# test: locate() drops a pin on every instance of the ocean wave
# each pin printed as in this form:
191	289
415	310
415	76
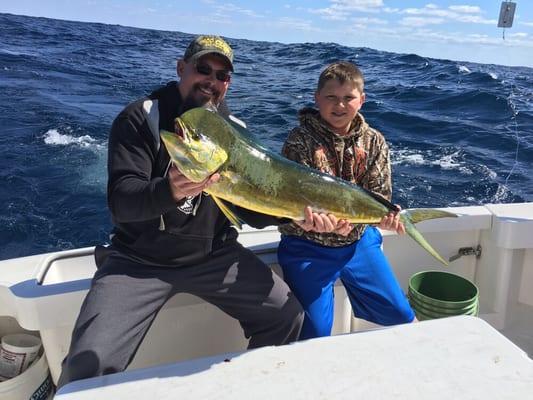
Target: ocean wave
411	59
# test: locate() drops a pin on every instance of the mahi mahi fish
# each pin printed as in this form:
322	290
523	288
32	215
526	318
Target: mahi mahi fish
255	178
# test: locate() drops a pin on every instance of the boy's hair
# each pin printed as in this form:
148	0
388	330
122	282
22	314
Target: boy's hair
342	71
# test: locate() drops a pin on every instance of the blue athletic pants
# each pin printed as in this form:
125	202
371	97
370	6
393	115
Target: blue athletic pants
311	270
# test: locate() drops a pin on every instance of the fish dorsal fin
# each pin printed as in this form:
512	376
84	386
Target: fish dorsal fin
227	212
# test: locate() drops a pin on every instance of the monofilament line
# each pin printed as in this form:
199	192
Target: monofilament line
512	106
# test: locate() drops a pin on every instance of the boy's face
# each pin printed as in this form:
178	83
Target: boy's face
338	104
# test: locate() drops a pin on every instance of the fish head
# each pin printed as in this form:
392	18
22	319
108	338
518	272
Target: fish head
194	153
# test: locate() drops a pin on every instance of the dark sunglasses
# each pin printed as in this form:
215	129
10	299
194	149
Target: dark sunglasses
221	74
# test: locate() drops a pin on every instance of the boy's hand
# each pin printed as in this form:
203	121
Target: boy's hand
321	223
391	222
344	227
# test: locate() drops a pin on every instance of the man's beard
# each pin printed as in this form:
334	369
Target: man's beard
196	98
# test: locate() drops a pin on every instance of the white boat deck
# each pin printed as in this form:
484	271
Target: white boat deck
453	358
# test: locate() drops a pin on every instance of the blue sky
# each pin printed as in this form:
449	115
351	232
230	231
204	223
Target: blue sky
458	30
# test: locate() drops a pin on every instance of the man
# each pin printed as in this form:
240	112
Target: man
169	237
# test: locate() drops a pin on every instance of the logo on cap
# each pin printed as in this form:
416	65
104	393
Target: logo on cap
206	44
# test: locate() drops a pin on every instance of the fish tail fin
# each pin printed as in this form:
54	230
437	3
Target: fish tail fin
410	217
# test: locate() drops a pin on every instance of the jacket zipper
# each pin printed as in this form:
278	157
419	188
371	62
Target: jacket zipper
161	219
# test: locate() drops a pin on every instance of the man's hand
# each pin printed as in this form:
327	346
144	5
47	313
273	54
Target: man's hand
321	223
182	187
391	222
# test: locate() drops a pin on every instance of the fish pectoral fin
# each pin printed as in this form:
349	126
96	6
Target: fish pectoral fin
227	212
233	177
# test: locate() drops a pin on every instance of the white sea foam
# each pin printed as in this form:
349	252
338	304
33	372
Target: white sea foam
407	157
493	75
448	162
488	172
93	175
464	70
55	138
415	159
500	195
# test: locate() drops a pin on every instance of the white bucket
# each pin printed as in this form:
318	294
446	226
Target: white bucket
17	352
33	384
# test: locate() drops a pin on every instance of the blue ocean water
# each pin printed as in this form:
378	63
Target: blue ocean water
460	133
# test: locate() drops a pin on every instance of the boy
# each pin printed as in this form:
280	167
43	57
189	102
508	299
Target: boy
335	139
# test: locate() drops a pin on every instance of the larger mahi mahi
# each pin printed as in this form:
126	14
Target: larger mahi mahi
257	179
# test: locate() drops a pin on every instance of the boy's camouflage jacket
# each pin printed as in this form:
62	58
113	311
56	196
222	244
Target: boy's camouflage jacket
361	157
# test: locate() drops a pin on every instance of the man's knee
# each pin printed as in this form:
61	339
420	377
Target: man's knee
80	366
292	317
291	311
294	305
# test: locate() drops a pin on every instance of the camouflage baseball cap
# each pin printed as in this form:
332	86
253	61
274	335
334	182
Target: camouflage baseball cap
205	44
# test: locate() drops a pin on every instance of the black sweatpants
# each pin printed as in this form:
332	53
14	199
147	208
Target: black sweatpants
125	297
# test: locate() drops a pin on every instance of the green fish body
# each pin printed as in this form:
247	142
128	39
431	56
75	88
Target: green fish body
255	178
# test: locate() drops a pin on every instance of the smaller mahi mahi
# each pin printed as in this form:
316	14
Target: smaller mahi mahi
255	178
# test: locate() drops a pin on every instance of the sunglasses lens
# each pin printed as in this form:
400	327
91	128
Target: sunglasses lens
204	69
221	75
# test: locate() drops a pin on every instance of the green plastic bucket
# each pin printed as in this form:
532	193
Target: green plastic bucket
423	313
438	294
421	316
423	307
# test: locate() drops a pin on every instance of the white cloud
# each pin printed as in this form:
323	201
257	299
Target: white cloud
370	21
357	4
340	10
427	11
296	23
330	14
474	39
233	9
466	9
466	14
476	19
418	21
517	35
526	23
216	18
